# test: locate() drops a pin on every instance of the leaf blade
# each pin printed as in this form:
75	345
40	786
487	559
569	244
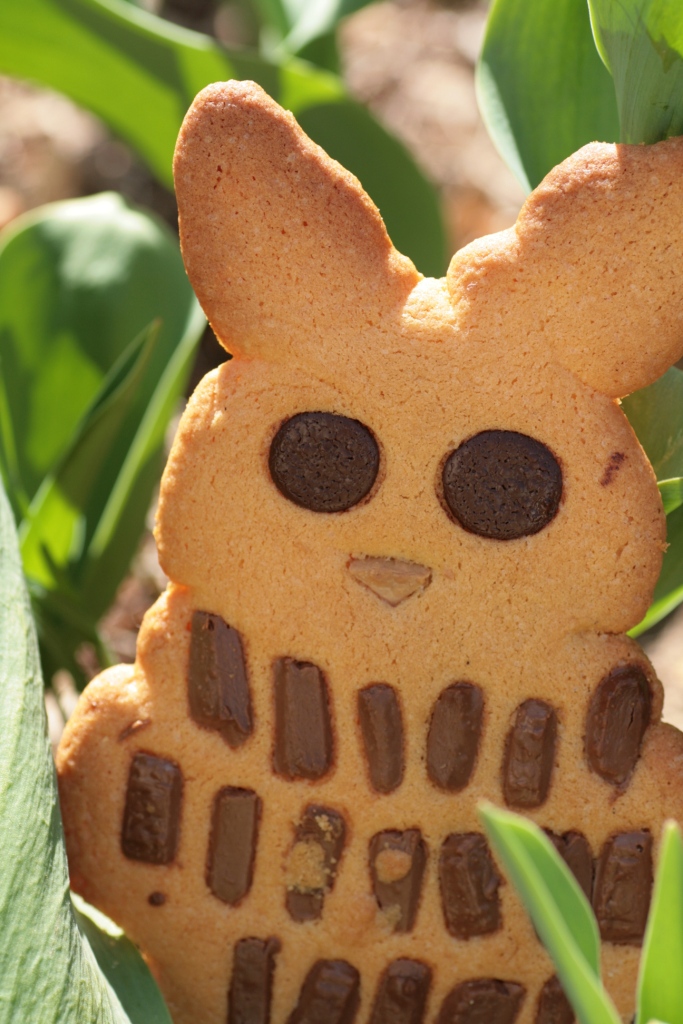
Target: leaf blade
660	981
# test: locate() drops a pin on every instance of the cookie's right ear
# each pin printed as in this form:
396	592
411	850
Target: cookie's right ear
281	244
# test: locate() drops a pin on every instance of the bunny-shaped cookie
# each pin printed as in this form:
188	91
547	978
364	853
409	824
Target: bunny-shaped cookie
406	527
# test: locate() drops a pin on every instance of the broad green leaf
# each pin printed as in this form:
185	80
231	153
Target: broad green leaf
660	979
671	492
641	42
656	415
140	74
669	590
558	908
47	972
122	965
543	90
78	281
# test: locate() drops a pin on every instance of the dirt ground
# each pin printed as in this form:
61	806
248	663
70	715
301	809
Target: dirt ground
412	62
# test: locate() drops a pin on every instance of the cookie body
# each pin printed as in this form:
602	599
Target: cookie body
407	526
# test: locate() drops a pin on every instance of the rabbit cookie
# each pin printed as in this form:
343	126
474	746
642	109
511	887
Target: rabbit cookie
406	529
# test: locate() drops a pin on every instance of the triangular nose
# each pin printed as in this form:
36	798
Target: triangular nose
392	579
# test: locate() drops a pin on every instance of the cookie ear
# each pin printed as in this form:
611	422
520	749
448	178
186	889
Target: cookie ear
595	263
280	243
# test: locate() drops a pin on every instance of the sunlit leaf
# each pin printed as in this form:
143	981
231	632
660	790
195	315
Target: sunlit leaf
122	966
140	73
660	979
641	42
558	908
48	974
671	492
543	90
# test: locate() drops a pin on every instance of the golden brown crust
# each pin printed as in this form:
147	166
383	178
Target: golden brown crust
327	318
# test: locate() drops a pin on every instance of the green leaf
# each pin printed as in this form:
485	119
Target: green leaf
543	90
558	908
47	972
671	492
140	74
78	281
122	965
641	42
669	590
660	980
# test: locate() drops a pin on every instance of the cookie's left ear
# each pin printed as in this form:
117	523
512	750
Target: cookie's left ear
595	263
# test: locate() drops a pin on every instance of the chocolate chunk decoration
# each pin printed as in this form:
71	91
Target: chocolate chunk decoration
156	899
303	729
329	995
251	984
454	735
151	816
402	993
502	485
217	684
469	886
397	864
575	850
618	715
381	727
232	843
530	755
623	887
318	845
553	1005
482	1001
324	462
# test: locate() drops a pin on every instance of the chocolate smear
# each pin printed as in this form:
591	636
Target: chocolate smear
381	726
575	850
469	886
217	684
323	462
402	993
397	864
553	1005
530	755
313	862
329	995
251	984
232	843
502	485
454	735
618	715
303	729
623	887
482	1001
151	817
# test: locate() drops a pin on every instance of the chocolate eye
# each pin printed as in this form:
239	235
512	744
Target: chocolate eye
502	484
323	462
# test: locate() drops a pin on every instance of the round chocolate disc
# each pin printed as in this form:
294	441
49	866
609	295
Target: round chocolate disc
502	485
324	462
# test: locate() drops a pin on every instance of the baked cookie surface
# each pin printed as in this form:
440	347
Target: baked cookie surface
407	526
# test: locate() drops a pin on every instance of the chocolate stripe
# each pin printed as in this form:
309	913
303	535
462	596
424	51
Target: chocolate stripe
482	1001
232	844
251	984
329	995
381	726
618	715
623	887
313	862
454	734
303	730
530	755
217	684
553	1005
469	886
575	850
151	817
397	864
402	993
